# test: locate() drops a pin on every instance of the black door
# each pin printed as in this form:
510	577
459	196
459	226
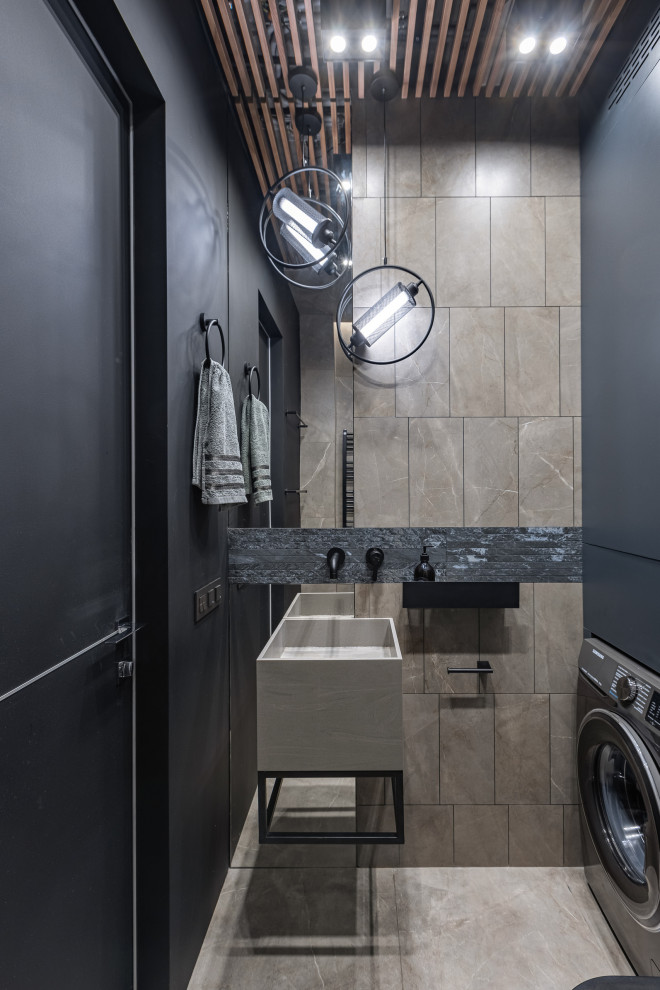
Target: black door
65	506
620	793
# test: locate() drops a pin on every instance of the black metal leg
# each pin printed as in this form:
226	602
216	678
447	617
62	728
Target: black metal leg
266	810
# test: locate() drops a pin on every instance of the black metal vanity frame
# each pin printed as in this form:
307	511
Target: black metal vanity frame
267	810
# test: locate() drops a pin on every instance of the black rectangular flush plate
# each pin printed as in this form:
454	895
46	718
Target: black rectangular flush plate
207	598
461	594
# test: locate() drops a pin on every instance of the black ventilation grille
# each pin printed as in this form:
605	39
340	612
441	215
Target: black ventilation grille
636	60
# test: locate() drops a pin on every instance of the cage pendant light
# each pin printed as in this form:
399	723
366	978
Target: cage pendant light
305	215
390	308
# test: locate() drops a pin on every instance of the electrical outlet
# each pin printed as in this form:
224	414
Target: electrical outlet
207	599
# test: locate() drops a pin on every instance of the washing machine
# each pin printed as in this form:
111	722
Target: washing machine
618	770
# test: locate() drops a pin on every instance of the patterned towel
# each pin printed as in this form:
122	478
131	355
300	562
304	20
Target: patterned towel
255	449
216	459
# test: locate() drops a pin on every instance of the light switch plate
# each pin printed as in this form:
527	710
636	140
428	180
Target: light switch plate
207	599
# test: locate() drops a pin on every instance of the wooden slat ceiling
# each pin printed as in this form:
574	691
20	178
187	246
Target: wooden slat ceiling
438	48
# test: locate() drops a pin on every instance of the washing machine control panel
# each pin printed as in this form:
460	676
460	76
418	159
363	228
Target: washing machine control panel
653	714
622	679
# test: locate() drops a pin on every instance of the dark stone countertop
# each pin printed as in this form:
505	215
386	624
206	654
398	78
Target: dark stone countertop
298	556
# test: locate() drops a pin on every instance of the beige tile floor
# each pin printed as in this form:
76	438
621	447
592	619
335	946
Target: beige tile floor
442	928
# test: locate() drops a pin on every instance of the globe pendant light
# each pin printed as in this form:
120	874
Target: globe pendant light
391	308
305	215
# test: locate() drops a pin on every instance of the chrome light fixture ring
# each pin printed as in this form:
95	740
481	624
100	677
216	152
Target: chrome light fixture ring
266	213
351	354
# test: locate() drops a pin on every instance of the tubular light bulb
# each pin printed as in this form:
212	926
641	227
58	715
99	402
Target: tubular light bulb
338	43
557	45
527	45
290	208
369	43
383	315
307	251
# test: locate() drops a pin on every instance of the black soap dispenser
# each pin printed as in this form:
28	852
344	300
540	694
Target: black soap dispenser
424	570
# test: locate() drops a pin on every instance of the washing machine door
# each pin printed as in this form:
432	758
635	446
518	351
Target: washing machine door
619	788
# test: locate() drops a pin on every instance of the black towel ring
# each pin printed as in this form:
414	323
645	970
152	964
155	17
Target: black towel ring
206	326
251	369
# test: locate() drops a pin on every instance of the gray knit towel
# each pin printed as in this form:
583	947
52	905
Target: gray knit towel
216	459
255	449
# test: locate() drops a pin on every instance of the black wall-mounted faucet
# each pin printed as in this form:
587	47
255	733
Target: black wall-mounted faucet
375	558
335	558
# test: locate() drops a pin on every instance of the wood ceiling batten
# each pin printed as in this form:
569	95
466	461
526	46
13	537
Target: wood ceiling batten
347	127
456	47
220	47
426	40
279	41
257	13
235	45
608	24
440	50
410	40
259	131
394	33
472	46
360	80
252	148
582	44
293	31
508	76
491	37
249	48
311	38
520	82
550	81
497	66
536	75
332	89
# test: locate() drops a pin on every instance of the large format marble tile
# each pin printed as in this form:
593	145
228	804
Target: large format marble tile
557	636
477	362
404	173
317	476
467	755
546	471
499	929
563	782
448	150
532	361
572	837
317	398
503	147
359	148
302	930
367	248
429	836
481	835
536	835
411	236
377	818
506	639
522	749
381	472
436	472
451	639
562	275
491	472
570	360
316	343
462	237
577	472
555	148
385	600
422	381
421	749
518	251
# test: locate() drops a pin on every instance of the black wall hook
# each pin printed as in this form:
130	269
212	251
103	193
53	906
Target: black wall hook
251	369
205	326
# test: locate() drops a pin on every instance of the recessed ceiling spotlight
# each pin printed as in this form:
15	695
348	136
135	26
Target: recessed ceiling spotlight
369	43
338	43
527	45
557	45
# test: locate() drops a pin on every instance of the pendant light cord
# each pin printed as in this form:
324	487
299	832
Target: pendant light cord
385	179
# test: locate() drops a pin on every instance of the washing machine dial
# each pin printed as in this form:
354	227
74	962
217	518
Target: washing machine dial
626	689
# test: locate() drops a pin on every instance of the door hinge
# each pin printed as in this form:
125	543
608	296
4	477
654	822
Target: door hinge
124	669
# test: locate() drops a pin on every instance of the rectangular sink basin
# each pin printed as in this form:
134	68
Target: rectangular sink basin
329	697
340	603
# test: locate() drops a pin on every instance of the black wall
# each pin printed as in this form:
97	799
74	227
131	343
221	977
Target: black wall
621	346
197	250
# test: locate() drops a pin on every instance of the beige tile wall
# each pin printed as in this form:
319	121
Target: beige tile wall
480	428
